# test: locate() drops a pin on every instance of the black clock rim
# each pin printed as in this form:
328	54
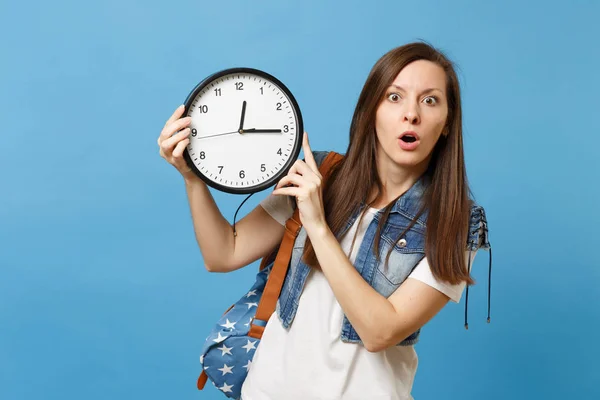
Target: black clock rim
295	151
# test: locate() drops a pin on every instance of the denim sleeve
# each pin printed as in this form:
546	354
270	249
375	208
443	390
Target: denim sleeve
478	229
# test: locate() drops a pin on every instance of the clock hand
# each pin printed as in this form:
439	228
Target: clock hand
220	134
254	130
243	115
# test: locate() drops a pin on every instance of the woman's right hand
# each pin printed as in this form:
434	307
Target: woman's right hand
173	139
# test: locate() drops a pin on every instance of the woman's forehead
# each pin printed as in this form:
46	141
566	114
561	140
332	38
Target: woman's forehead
421	75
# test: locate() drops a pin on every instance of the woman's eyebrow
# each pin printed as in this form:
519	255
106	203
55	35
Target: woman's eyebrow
423	92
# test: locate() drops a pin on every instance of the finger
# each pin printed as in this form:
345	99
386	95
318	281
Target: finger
301	168
179	148
298	167
178	113
173	127
168	144
290	179
308	156
287	191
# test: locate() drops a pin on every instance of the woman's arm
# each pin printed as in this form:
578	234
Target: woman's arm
379	322
257	233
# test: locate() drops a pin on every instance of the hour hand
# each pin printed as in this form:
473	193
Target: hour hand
242	117
255	130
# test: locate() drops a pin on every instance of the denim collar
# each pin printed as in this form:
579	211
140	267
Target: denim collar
410	202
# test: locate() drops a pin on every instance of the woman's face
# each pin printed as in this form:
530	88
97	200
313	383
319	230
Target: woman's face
412	115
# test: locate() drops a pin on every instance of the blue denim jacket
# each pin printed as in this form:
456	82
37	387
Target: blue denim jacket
403	259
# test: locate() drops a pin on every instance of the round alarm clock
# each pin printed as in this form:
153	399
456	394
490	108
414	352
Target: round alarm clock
246	130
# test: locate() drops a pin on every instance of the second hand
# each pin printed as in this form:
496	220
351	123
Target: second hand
220	134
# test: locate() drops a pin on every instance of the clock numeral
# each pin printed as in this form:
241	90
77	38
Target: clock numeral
279	151
239	86
203	109
278	106
202	155
220	168
261	91
217	92
194	132
286	128
242	174
262	168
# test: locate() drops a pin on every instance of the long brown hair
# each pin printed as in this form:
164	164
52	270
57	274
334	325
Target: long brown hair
446	198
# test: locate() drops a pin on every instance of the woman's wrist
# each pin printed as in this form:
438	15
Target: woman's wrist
190	177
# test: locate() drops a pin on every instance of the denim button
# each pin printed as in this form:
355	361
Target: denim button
402	242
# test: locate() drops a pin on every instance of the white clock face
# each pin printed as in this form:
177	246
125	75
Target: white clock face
245	131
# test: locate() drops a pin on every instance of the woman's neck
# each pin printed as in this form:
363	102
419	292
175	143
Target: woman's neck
396	180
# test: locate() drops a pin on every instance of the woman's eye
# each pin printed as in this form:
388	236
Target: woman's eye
430	100
393	97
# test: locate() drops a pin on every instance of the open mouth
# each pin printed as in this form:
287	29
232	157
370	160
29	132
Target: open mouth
408	139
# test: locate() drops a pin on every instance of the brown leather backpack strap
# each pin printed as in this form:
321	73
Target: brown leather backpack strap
266	260
272	290
201	380
326	167
268	300
331	159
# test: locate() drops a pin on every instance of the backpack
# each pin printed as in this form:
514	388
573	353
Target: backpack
227	353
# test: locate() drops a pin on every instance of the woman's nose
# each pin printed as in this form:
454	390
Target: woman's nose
411	114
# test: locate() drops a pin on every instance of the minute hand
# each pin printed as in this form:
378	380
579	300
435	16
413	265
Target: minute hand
254	130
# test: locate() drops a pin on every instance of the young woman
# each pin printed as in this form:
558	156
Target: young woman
383	248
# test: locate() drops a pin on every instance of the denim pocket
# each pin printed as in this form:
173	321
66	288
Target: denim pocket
405	254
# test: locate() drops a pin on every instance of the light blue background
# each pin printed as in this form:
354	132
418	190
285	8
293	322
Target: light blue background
103	293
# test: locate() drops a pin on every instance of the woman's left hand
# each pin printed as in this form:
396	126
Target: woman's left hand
305	177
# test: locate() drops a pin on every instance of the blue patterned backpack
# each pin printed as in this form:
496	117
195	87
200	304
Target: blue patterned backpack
227	353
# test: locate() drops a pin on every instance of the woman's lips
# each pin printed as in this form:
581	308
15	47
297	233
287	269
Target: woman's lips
408	146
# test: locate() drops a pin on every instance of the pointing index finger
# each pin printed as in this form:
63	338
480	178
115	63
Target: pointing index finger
308	156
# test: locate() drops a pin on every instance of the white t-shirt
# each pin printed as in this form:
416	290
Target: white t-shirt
309	361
